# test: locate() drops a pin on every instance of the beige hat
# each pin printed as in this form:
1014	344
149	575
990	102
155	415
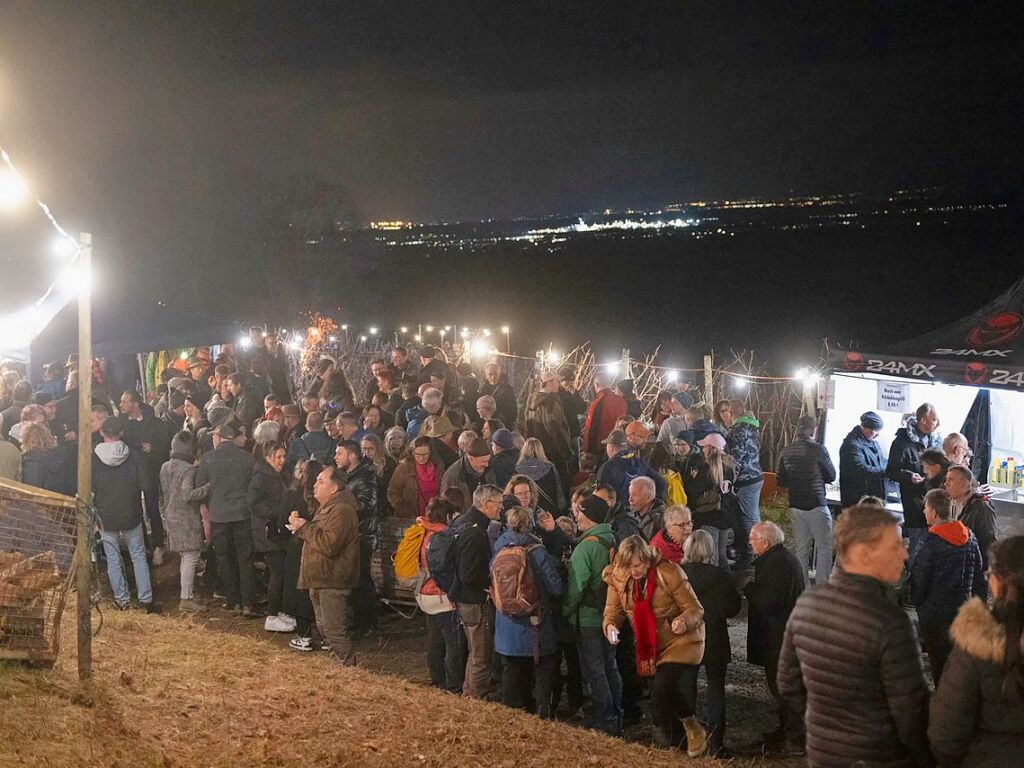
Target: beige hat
440	427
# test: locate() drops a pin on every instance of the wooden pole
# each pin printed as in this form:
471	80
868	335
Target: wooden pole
709	380
83	576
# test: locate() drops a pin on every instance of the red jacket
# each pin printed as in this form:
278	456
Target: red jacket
605	409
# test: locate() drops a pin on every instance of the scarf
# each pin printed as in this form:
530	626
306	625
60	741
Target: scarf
427	485
644	626
930	442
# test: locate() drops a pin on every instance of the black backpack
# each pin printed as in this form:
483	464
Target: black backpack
441	558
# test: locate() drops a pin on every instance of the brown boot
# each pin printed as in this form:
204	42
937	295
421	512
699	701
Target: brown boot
696	737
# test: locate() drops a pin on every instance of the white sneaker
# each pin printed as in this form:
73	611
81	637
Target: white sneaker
276	624
301	643
288	620
158	557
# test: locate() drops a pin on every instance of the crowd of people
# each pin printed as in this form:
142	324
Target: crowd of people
570	553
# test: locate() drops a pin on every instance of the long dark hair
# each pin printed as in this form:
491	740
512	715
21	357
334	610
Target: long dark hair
306	472
1006	561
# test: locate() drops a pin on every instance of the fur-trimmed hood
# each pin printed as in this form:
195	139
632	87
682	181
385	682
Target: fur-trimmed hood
976	631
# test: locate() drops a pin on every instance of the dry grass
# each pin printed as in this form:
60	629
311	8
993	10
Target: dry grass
167	692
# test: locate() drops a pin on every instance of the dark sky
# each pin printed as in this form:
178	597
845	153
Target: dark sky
468	110
170	129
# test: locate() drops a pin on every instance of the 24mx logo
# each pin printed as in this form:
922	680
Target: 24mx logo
1006	378
895	368
972	352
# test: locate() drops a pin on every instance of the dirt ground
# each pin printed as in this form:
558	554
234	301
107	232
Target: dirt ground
398	649
173	690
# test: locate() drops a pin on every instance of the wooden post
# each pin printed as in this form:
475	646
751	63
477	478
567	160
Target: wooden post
709	381
83	576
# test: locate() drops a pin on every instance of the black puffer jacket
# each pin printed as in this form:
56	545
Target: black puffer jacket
905	461
717	594
852	651
946	572
362	482
861	468
805	468
972	724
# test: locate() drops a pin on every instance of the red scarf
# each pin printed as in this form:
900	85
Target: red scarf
427	484
645	627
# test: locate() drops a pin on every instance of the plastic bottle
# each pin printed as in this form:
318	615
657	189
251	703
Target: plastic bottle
993	474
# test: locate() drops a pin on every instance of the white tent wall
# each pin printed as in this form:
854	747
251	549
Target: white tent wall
857	393
1007	425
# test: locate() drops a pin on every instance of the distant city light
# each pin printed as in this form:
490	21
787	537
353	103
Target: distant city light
363	337
417	337
447	327
344	327
428	328
403	329
602	226
333	339
373	331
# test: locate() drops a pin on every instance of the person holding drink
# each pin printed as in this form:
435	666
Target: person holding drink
668	624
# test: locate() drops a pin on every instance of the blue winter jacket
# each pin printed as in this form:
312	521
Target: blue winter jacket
861	468
622	468
515	636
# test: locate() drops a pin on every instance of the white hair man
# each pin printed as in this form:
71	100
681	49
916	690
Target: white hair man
648	508
778	582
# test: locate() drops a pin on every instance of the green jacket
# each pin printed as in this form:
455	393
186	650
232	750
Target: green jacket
585	584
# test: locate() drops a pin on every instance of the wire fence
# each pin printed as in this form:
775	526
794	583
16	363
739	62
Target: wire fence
37	553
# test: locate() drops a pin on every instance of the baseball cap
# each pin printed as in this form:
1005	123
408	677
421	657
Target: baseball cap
226	432
637	429
617	438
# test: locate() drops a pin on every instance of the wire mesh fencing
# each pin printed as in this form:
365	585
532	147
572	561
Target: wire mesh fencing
37	553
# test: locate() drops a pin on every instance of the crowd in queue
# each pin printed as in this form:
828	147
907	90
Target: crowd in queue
570	556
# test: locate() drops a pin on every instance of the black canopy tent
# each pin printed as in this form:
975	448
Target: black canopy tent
122	332
984	349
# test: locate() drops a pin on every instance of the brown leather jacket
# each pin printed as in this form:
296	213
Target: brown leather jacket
330	556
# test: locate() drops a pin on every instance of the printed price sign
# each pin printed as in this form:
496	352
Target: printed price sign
893	396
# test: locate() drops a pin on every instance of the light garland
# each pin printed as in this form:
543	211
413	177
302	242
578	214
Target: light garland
21	327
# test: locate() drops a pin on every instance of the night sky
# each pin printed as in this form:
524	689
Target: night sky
170	130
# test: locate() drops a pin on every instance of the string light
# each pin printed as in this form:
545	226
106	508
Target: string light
70	280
